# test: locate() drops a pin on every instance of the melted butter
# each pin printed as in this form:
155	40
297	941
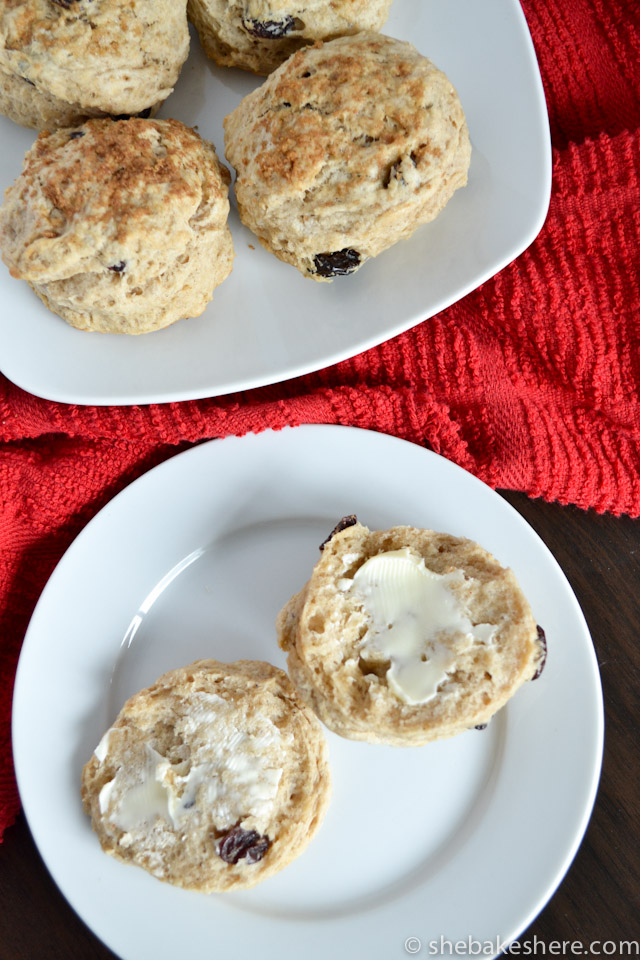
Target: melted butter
103	747
148	799
232	773
416	621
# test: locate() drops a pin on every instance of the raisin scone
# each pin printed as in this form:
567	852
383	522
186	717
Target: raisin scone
259	35
214	778
406	636
120	226
345	149
64	60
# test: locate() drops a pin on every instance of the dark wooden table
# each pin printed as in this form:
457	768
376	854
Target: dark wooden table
598	902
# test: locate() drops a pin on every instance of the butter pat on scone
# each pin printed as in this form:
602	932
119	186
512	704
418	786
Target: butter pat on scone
214	778
406	636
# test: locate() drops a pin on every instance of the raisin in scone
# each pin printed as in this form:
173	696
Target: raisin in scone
345	149
64	60
406	636
214	778
120	226
259	35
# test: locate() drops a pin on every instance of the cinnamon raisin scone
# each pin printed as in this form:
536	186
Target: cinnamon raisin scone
259	35
345	149
120	226
405	636
76	58
214	778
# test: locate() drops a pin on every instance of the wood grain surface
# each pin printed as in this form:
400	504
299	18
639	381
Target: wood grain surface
598	903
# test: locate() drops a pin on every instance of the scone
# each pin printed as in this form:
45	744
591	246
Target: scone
345	149
120	226
64	60
214	778
259	35
406	636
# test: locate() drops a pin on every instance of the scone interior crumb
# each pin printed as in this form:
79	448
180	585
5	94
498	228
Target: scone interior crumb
406	636
214	778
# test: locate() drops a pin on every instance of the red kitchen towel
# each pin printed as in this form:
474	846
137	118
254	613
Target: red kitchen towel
531	382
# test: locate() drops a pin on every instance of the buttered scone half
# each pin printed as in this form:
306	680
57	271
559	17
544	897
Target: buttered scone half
405	636
120	226
345	149
64	60
259	35
214	778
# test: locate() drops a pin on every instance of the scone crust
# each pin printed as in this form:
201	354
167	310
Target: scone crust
349	145
257	693
118	56
229	29
321	628
120	226
22	102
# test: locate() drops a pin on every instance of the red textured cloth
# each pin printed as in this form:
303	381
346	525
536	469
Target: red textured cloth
531	382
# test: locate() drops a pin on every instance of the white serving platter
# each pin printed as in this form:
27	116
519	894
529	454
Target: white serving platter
267	323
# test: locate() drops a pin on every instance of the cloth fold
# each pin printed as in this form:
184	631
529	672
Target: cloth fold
531	382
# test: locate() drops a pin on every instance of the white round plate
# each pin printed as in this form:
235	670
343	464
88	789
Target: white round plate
462	838
268	323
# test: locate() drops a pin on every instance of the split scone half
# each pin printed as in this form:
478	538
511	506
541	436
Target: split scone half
406	636
214	778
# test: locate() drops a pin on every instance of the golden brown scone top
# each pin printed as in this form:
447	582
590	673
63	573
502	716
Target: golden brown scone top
104	183
359	101
119	163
